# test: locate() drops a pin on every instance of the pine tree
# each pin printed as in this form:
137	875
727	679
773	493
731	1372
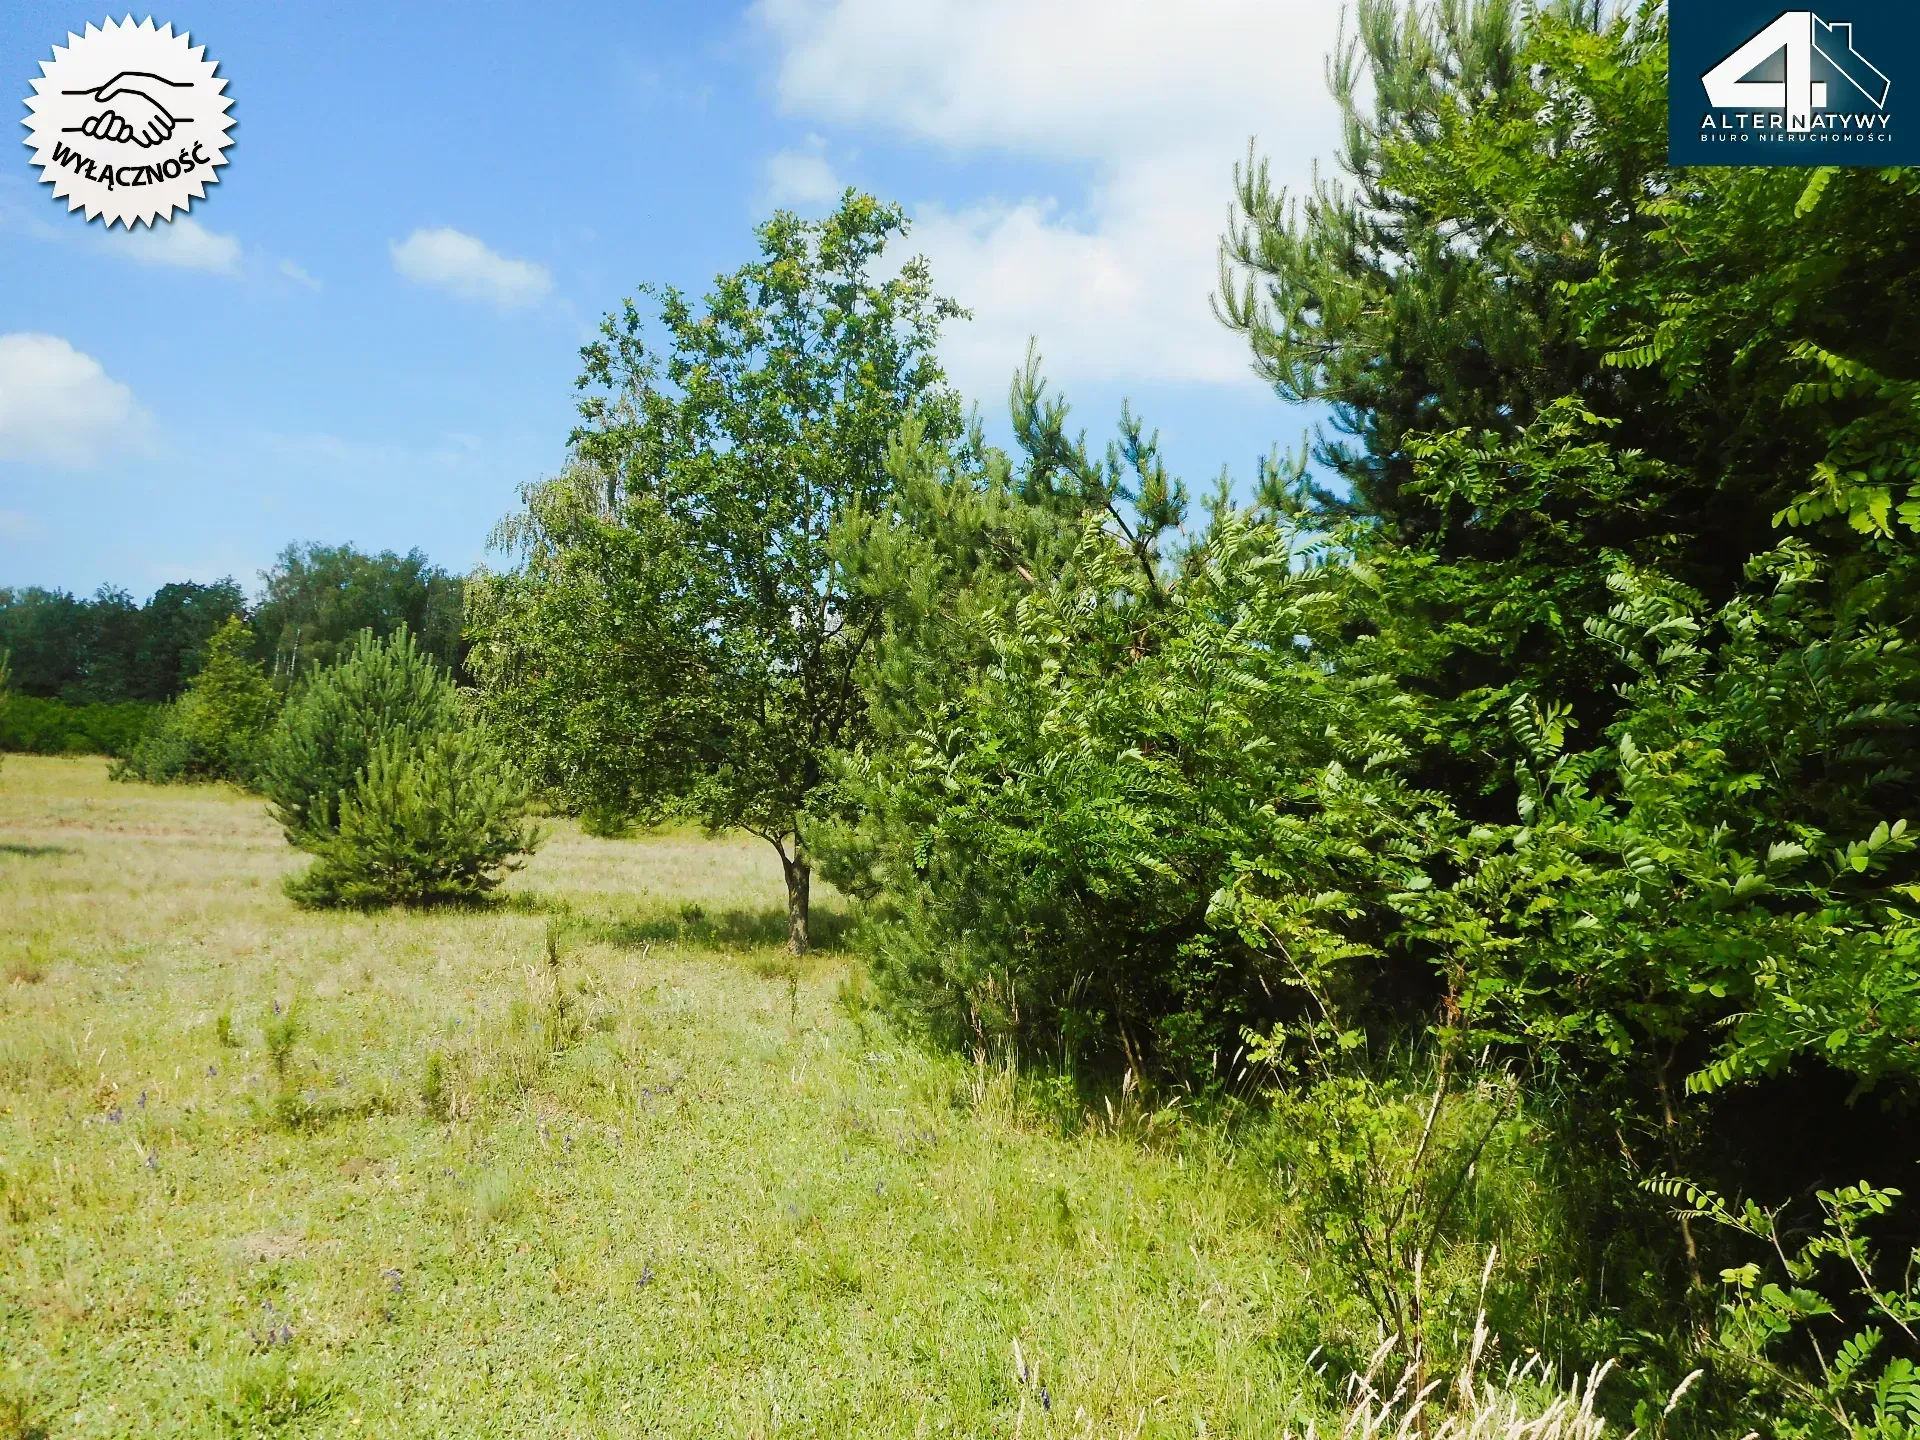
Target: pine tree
337	719
1510	258
401	796
215	729
1423	294
426	820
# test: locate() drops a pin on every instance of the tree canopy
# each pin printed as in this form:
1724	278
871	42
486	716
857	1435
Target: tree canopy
677	634
108	648
317	599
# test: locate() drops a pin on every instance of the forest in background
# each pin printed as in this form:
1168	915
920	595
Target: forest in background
88	672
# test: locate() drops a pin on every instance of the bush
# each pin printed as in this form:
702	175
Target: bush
400	797
1820	1333
30	725
1114	803
439	818
334	723
214	730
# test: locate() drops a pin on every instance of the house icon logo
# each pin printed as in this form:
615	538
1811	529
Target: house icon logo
1797	39
1750	85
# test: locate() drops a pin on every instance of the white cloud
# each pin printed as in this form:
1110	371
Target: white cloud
180	244
184	243
299	276
58	405
468	268
802	177
1151	103
17	525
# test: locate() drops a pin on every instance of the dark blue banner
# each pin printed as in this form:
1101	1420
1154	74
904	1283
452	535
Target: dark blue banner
1754	84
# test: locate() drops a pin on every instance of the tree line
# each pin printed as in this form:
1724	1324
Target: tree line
109	647
99	664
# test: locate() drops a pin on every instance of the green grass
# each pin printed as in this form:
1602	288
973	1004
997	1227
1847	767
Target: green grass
273	1172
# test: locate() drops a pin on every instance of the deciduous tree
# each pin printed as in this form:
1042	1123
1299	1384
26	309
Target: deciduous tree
678	635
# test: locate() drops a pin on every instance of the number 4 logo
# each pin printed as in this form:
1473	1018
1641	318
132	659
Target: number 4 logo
1803	35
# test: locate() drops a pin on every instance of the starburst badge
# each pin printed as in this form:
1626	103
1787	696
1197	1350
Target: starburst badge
129	122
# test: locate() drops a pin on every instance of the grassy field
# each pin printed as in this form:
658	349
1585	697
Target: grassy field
596	1161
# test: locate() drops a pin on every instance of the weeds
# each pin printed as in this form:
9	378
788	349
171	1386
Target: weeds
853	998
20	1420
563	1023
1528	1403
434	1088
290	1107
1135	1117
515	1053
265	1392
495	1198
282	1031
28	967
293	1106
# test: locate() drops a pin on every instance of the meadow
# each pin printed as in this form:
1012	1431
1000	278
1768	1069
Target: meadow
599	1159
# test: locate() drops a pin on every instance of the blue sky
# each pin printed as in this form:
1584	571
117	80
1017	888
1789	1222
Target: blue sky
368	331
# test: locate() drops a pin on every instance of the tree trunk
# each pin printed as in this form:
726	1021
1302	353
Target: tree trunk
799	890
1673	1164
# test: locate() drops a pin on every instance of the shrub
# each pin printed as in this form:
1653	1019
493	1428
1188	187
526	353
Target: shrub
214	730
1114	803
401	799
333	724
434	819
1820	1334
31	725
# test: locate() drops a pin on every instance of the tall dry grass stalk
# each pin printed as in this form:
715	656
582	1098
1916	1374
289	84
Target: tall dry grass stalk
1527	1403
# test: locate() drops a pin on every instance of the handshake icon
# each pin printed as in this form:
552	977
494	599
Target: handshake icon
131	109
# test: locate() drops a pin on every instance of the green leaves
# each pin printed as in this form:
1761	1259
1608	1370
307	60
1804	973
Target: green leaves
214	731
1817	184
1769	1330
679	635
